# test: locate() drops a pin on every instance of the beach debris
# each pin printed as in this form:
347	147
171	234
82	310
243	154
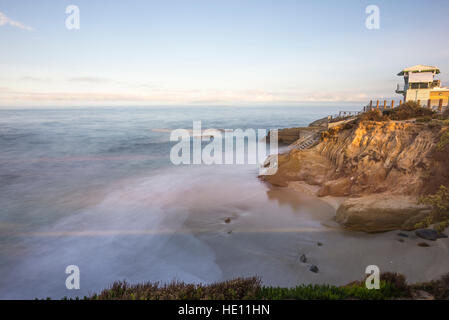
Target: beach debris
303	258
423	244
227	220
314	268
427	234
401	234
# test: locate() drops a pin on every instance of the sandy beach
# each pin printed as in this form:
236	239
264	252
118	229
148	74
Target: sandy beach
270	241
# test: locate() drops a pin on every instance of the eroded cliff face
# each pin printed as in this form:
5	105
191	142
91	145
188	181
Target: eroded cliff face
389	160
364	158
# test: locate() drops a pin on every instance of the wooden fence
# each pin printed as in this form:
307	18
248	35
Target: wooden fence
435	104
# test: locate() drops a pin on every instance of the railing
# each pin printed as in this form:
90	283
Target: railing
434	104
343	115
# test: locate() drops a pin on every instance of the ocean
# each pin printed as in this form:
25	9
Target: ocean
95	188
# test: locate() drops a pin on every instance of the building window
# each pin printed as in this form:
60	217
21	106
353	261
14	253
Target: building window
417	85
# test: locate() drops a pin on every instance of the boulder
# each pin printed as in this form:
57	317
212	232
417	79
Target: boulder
314	268
427	234
381	212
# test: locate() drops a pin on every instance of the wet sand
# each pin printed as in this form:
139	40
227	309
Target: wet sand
268	242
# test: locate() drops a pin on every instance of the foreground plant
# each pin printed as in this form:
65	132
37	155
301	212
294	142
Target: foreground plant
392	286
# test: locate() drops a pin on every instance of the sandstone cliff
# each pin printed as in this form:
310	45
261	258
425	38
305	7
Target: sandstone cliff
386	164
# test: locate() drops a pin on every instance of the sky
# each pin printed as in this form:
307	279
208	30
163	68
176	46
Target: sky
214	52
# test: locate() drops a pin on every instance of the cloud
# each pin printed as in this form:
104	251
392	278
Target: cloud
4	20
170	96
90	80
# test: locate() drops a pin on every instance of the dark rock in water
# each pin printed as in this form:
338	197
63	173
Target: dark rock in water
319	244
314	268
401	234
423	244
227	220
230	231
428	234
303	258
442	235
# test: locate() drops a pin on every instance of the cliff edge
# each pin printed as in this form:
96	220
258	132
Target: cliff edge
382	165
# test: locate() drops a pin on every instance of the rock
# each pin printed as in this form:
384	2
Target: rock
423	244
380	212
401	234
303	258
338	188
319	244
314	268
427	234
442	235
400	240
422	295
227	220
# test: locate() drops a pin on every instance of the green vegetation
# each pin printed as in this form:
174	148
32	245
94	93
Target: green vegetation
444	141
392	285
409	110
437	288
326	292
373	115
440	209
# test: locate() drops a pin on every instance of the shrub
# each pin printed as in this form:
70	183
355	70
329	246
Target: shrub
373	115
409	110
438	288
446	114
392	285
424	119
237	289
440	207
444	141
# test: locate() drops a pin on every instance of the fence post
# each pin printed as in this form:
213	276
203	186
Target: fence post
385	104
440	105
428	103
400	102
370	105
377	105
419	103
392	104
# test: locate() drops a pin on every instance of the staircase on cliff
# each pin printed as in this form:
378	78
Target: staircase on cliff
306	142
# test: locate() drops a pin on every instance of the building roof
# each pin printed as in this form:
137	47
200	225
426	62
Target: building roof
419	68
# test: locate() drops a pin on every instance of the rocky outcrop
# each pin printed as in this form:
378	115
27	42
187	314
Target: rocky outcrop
381	212
382	166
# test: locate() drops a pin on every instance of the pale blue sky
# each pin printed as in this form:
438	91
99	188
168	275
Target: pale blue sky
211	52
